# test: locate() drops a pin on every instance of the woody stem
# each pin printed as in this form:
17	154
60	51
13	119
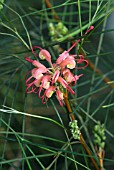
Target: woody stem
49	5
72	117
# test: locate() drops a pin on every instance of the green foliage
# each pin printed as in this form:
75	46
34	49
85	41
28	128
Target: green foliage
34	136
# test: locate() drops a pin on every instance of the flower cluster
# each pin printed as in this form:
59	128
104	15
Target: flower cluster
99	135
57	31
75	129
57	78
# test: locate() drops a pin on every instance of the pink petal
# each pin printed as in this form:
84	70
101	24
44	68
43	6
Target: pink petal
69	62
77	77
73	45
82	60
33	70
69	77
44	97
60	98
32	90
35	47
29	60
49	92
65	85
90	28
30	85
45	81
37	82
55	76
44	54
37	73
27	80
38	64
62	57
39	92
70	90
62	82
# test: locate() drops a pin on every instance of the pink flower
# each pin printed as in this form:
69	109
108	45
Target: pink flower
46	81
55	76
44	54
60	97
90	28
45	84
62	57
37	73
28	59
73	45
35	47
37	64
69	77
37	82
30	88
49	92
69	62
77	77
82	60
65	85
30	84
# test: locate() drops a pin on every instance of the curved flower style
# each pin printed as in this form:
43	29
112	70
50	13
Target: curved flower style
57	78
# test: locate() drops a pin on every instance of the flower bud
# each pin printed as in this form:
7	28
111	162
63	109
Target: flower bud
59	26
64	30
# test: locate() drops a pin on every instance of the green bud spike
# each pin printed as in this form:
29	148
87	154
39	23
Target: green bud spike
99	135
74	129
57	31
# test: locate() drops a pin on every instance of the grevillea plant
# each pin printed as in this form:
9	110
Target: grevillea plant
50	109
58	76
